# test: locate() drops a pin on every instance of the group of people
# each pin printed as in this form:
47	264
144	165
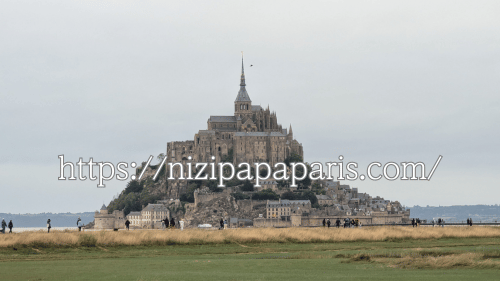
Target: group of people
347	223
223	224
469	222
440	222
415	222
4	225
165	223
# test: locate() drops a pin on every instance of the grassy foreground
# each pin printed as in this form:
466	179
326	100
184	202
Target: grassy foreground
255	254
241	235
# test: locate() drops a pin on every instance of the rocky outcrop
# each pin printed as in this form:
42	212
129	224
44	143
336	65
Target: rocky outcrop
221	205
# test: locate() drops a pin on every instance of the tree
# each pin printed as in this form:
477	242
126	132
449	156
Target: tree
266	194
160	157
288	195
240	196
294	157
189	195
247	186
133	186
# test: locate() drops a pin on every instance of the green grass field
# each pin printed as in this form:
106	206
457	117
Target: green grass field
403	259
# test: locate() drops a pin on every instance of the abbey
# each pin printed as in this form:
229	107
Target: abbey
251	135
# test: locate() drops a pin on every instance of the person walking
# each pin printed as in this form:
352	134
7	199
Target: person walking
324	222
48	226
4	225
11	225
225	224
165	221
413	222
221	223
127	224
328	223
79	224
172	223
470	221
337	222
181	224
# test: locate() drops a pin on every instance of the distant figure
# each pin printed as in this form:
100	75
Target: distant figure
79	224
328	223
439	221
346	222
181	224
433	222
48	226
337	222
221	223
11	225
413	222
165	221
442	223
4	225
225	224
470	221
418	222
324	222
172	223
127	224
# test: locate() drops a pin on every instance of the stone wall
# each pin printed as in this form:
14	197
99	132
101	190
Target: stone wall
109	221
264	222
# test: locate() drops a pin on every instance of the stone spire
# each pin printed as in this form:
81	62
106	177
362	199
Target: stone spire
242	94
242	82
290	132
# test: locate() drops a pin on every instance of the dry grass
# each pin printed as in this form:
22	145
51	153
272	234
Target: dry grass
463	260
242	236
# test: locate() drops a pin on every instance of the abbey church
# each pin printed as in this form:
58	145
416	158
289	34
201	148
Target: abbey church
252	134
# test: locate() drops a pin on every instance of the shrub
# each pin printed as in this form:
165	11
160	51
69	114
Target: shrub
87	240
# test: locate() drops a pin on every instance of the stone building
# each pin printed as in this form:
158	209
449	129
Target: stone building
135	219
324	200
252	134
151	216
283	208
104	220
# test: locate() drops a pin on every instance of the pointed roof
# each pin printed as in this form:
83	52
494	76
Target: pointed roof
290	131
242	94
103	207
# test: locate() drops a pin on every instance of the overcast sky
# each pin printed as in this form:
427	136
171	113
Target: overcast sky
369	80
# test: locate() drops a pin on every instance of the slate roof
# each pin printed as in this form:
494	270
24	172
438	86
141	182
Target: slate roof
222	119
135	214
155	208
323	197
287	202
103	207
256	107
242	95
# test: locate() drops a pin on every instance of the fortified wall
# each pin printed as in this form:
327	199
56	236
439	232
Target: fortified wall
104	220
